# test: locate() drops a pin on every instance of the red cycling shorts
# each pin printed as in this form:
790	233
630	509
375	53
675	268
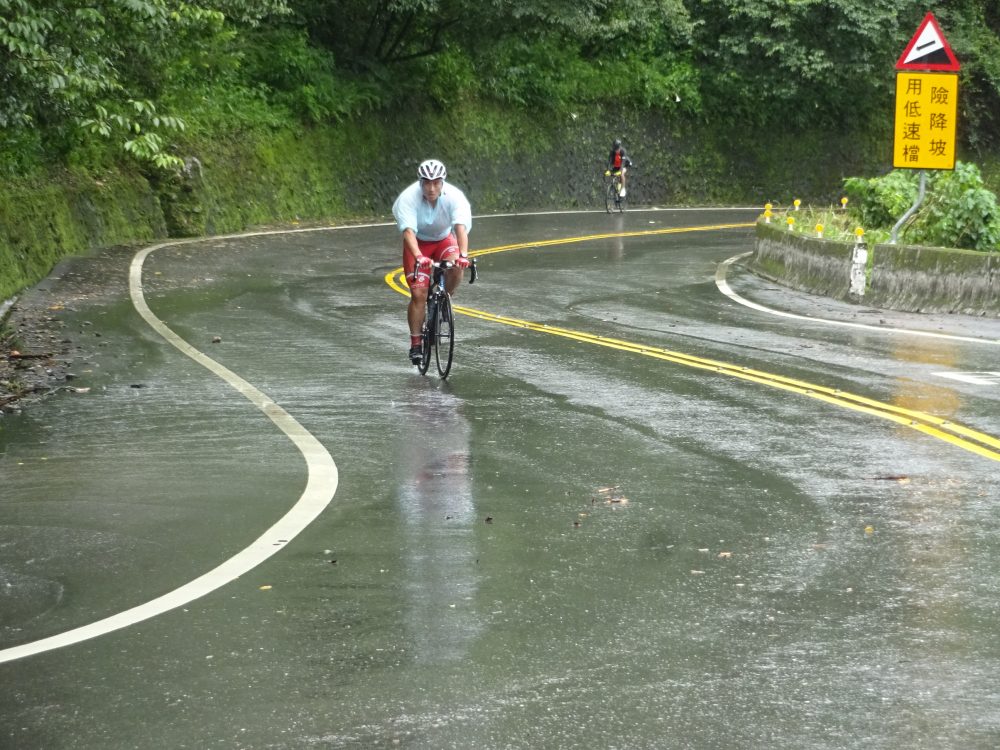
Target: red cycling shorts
446	249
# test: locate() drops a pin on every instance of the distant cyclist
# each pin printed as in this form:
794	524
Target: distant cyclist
618	161
434	218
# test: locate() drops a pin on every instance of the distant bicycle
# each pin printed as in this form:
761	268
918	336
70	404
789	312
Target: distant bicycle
613	198
438	331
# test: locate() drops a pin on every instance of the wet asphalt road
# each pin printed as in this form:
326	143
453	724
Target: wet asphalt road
565	545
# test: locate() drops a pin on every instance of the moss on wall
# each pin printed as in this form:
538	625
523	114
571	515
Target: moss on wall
809	264
70	213
933	279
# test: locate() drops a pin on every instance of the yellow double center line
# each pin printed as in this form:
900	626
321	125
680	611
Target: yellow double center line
936	427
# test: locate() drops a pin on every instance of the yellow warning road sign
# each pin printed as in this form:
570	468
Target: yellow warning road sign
925	127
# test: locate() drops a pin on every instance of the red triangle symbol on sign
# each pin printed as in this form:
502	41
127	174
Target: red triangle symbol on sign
928	50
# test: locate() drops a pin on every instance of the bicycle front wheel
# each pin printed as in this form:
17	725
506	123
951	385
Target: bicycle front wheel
609	196
427	339
444	336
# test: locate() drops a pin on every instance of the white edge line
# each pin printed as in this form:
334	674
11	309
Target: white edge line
723	285
321	486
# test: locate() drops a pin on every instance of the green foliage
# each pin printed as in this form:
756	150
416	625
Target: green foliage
76	72
303	78
152	78
67	68
451	77
73	73
958	210
661	83
249	12
21	151
137	126
559	78
368	35
556	54
601	28
973	30
807	62
534	75
880	201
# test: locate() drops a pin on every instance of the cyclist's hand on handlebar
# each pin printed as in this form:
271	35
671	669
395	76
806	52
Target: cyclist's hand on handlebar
423	263
607	172
462	261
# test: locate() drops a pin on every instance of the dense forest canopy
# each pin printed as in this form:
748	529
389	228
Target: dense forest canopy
80	76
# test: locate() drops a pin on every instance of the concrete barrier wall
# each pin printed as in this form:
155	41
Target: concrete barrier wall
900	277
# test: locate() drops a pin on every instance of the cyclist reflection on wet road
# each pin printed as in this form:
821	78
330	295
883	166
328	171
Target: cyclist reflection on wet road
438	515
617	251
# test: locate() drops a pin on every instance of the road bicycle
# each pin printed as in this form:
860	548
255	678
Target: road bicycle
438	331
613	198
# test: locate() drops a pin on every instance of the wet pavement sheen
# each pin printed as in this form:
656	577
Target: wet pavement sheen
564	545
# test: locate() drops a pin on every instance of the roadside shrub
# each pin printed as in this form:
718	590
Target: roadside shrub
958	210
878	202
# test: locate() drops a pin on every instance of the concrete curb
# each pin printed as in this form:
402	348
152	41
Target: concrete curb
900	277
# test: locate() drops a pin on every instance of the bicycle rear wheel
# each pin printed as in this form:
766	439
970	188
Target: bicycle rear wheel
444	336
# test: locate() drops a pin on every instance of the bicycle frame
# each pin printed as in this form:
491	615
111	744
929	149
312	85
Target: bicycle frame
438	332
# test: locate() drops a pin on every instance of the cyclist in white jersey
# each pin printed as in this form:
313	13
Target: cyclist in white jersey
434	218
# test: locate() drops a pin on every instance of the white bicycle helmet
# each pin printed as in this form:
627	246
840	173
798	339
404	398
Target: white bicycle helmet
432	169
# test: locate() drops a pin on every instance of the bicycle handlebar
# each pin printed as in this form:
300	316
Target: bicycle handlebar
446	264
